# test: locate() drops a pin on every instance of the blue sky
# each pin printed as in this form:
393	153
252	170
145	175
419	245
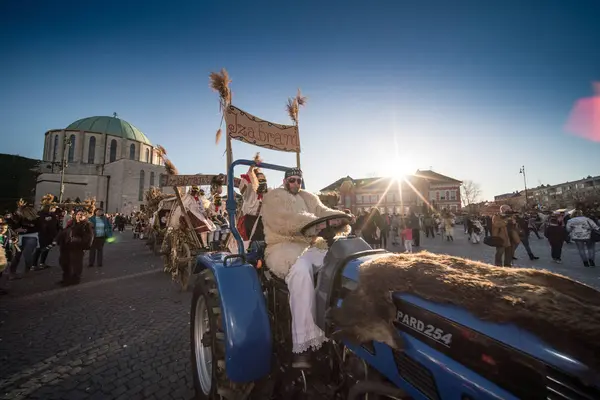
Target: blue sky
472	89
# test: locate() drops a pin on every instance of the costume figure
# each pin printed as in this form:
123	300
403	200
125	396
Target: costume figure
195	205
477	231
295	258
253	187
217	211
73	241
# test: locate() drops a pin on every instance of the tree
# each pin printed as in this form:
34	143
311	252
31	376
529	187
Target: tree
470	192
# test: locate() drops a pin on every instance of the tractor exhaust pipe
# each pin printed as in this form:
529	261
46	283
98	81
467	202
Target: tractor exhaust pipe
380	388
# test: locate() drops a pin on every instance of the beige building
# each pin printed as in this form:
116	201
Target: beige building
108	158
424	189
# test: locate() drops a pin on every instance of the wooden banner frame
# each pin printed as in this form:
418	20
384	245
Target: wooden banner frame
191	180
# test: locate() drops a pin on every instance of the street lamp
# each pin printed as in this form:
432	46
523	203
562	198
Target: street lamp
522	171
62	165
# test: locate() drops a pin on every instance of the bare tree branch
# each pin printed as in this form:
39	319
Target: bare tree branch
470	192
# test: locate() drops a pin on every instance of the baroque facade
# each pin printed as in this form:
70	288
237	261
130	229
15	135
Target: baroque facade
423	190
107	158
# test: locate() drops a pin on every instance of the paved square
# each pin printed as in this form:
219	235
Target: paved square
124	332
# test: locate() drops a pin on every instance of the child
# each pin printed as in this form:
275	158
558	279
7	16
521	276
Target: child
407	238
556	235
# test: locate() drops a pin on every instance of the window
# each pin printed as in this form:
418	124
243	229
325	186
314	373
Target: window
359	199
132	152
147	155
92	150
447	195
141	189
374	198
55	149
71	148
453	195
113	151
347	201
152	178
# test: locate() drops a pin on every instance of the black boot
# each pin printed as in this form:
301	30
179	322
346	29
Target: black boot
532	257
592	263
586	264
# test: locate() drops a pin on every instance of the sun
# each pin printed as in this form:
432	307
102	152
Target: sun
398	167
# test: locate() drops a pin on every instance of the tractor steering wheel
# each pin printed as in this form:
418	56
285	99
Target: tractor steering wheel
326	227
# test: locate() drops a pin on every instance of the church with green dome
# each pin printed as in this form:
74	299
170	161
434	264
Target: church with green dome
108	158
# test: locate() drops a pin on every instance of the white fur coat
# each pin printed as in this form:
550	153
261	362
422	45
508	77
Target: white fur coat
283	216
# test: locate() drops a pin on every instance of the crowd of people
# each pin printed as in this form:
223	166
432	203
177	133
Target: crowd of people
509	229
377	228
27	237
505	231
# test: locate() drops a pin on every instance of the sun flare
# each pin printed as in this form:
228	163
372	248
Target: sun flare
398	167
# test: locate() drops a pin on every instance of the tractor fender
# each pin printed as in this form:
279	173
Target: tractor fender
248	344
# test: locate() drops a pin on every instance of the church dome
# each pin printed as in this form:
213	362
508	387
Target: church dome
112	126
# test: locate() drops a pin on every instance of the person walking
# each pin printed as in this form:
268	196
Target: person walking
580	228
523	229
415	224
102	231
504	228
555	233
73	241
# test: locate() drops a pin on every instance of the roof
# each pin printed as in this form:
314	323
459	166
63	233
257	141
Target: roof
112	126
384	182
434	176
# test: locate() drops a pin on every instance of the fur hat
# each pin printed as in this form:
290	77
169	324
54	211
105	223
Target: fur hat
47	199
26	211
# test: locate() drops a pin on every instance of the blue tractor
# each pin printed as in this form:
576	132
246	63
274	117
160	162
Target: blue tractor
241	339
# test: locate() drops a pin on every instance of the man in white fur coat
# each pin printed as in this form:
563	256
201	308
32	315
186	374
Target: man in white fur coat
293	257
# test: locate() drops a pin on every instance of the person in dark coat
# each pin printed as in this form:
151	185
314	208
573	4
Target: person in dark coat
73	241
372	228
556	235
414	224
48	223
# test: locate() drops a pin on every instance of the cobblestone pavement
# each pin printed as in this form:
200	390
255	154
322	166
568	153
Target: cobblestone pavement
123	333
461	247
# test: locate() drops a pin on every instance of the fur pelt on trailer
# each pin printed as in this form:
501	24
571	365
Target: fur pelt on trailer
560	311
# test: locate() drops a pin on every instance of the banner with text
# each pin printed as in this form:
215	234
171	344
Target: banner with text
190	180
250	129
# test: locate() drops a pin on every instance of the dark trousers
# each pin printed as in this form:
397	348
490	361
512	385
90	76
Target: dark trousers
28	249
416	233
384	239
41	253
429	231
97	248
525	241
259	233
71	262
507	253
556	250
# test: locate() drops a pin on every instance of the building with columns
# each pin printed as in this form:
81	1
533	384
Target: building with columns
423	190
108	158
